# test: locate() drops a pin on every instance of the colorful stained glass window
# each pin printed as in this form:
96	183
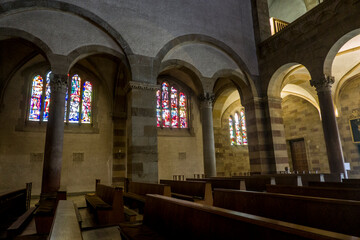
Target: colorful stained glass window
231	128
75	99
171	107
165	105
243	127
86	102
47	98
158	107
35	102
66	100
174	108
182	109
238	129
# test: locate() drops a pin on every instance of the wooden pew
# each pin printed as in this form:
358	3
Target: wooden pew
334	184
107	204
65	224
256	182
136	193
287	179
325	213
306	178
195	191
169	218
338	193
226	183
352	180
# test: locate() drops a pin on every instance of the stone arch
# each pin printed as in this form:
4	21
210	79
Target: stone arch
19	5
187	68
203	39
329	59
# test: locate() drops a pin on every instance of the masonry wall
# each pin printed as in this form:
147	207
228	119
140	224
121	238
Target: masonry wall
350	108
230	160
302	120
87	152
181	150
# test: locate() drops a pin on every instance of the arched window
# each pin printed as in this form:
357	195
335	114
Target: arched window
237	129
79	103
171	107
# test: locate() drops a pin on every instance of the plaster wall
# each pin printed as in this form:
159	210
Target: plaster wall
286	10
180	151
148	25
301	120
21	151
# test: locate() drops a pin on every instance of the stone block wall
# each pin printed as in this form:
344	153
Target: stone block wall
230	160
302	120
349	102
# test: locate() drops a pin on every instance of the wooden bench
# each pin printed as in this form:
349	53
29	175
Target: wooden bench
329	214
136	192
219	182
195	191
256	182
65	224
107	204
352	180
169	218
337	193
334	184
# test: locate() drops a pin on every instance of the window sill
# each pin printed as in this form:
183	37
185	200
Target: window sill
175	132
74	128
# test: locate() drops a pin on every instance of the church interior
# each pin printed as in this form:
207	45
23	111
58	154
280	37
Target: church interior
179	119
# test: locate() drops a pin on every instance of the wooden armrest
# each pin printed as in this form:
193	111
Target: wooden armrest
97	203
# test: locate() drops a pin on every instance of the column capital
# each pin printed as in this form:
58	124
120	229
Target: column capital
207	100
141	85
58	82
323	84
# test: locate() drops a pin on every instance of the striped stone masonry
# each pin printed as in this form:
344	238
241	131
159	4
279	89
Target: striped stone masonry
119	152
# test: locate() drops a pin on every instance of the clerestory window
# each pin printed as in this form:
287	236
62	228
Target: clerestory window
77	106
237	127
171	107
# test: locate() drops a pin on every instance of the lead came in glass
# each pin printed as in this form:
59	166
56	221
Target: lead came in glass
75	99
238	130
174	108
165	105
86	103
47	98
183	114
243	127
158	108
35	102
232	135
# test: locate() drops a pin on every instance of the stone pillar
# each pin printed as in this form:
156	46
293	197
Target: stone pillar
142	159
54	135
208	134
329	123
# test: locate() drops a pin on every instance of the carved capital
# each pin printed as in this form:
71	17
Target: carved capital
58	82
207	100
323	84
142	86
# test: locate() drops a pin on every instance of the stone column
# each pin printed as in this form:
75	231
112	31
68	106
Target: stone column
142	159
208	134
329	123
54	135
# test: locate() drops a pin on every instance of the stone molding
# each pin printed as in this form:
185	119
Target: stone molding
323	84
142	86
58	82
207	100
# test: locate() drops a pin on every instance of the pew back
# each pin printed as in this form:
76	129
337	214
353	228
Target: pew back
323	213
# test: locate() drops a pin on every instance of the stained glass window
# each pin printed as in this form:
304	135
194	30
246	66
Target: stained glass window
165	105
238	130
47	98
182	108
243	127
86	102
232	135
35	102
158	107
171	107
75	99
174	108
80	100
